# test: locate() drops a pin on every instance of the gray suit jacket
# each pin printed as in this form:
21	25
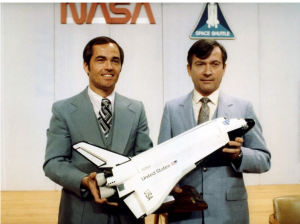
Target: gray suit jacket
220	182
74	120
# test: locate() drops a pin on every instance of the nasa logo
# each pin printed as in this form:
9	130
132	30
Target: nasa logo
107	18
212	24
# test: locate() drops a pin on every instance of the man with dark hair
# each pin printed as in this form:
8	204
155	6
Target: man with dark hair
202	49
88	50
100	116
219	178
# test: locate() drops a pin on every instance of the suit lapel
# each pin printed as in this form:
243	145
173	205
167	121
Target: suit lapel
123	120
224	106
186	112
85	119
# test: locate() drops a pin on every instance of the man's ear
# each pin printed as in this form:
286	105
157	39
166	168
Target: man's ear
224	69
86	67
188	67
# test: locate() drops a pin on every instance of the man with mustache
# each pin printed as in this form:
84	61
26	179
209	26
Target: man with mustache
219	179
102	117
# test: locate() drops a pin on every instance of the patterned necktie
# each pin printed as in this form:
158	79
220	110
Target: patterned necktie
204	111
105	118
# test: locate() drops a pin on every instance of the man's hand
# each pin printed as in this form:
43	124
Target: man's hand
90	182
177	189
234	148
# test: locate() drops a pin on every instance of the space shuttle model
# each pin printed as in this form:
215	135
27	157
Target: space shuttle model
145	180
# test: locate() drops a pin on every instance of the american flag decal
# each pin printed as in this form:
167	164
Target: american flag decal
174	162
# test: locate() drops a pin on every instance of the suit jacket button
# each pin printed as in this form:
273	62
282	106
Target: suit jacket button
204	169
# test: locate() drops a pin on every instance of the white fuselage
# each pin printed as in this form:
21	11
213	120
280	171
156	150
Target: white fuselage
153	174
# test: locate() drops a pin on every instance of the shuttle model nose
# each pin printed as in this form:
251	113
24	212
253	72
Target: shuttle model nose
250	123
239	132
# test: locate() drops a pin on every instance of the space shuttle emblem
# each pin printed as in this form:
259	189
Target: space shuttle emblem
212	24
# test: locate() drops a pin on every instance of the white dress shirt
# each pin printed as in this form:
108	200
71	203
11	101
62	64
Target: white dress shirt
96	101
213	103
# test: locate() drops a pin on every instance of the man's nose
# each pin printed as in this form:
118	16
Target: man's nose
108	65
208	70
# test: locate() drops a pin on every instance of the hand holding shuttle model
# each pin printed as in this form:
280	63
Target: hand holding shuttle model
145	180
94	182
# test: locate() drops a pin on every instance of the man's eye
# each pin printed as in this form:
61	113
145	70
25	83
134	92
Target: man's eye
116	61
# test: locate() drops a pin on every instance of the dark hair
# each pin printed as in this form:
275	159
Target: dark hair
203	48
88	50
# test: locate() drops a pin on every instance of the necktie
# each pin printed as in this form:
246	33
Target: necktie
105	118
204	111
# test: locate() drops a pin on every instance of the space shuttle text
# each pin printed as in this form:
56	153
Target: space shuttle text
213	33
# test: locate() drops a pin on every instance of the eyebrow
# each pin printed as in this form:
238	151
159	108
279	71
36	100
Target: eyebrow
200	60
100	56
216	61
115	57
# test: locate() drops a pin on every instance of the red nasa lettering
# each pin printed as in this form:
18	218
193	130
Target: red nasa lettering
88	18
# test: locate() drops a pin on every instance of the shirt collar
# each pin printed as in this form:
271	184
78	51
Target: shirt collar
96	99
214	97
